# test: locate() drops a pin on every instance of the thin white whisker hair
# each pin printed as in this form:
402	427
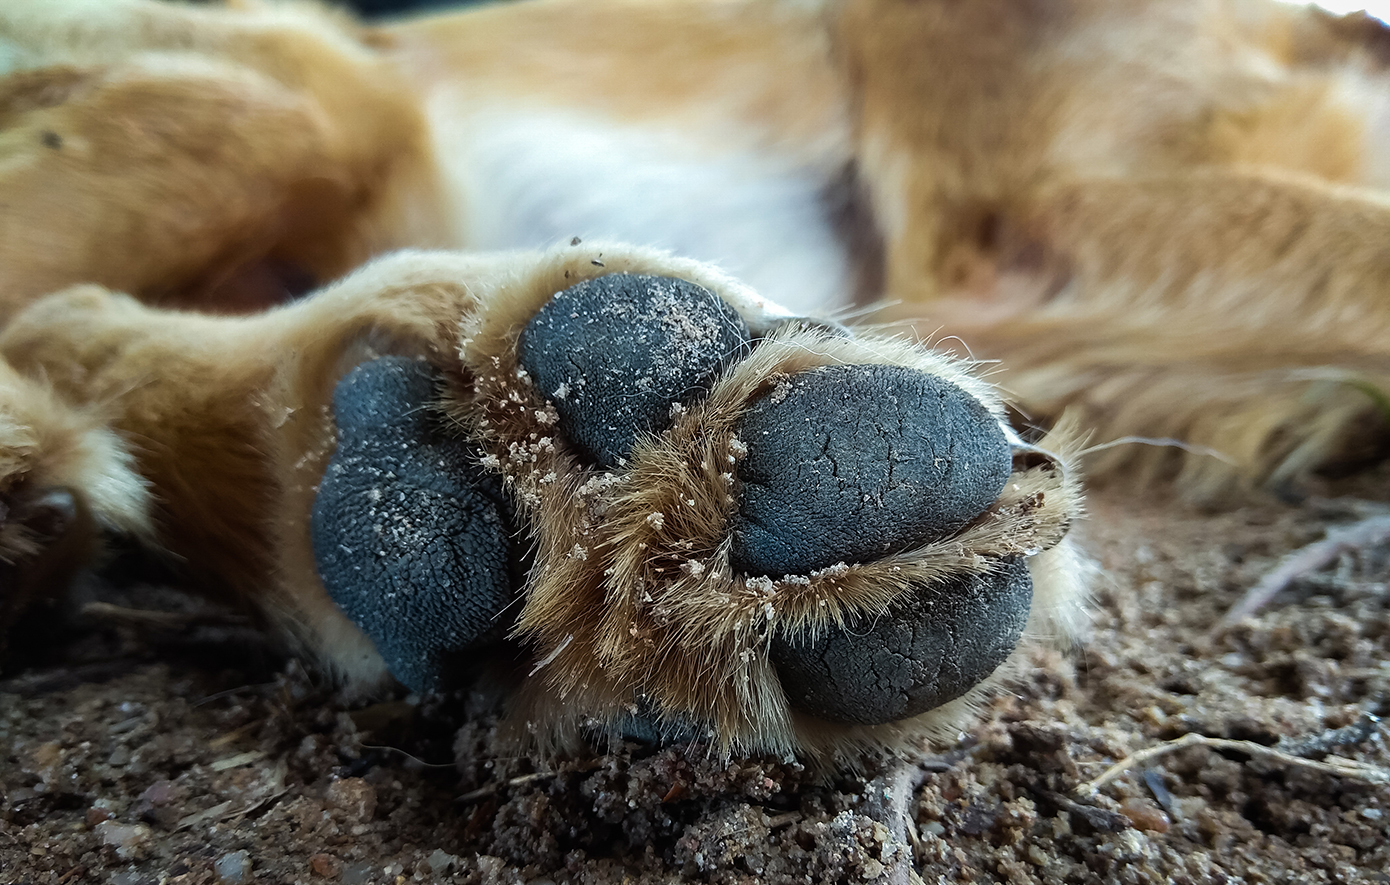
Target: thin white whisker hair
854	311
1169	442
895	327
969	354
904	328
520	598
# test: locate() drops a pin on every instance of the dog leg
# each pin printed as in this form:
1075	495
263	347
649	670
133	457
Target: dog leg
1244	314
63	475
228	419
201	157
718	502
711	519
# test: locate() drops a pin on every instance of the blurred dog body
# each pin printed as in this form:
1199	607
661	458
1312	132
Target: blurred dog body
1167	217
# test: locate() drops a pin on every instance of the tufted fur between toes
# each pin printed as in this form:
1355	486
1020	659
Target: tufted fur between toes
633	601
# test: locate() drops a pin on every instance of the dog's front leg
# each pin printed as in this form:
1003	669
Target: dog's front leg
225	420
692	506
63	474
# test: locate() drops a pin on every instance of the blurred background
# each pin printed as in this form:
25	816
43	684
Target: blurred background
1378	8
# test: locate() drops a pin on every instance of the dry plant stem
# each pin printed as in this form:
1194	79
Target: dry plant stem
108	613
888	799
492	788
1357	536
1333	765
223	811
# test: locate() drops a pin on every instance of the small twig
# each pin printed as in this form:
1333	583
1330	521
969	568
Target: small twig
238	760
223	811
1333	765
1102	820
262	805
216	812
1357	536
888	799
235	734
781	820
492	788
71	874
159	620
1380	672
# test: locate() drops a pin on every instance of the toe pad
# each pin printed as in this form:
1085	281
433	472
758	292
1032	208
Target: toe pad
933	647
412	539
616	353
850	463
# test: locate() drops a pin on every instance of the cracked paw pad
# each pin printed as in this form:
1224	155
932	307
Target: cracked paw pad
411	537
616	354
780	479
774	540
850	463
933	646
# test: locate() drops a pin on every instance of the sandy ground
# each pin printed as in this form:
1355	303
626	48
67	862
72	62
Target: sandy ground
145	755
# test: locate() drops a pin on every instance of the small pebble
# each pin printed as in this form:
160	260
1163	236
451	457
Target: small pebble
161	792
159	804
441	861
1144	816
128	840
325	865
354	797
233	868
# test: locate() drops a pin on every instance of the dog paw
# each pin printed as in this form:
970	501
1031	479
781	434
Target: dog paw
46	535
65	478
766	530
769	530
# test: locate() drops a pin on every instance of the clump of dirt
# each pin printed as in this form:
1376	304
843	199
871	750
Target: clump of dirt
125	759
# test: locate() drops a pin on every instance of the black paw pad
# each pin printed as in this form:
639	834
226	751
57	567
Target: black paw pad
616	353
412	538
933	647
849	463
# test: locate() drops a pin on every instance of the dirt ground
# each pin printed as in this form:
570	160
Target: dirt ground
190	754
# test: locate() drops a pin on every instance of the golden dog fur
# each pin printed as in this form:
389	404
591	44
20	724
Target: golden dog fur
1168	217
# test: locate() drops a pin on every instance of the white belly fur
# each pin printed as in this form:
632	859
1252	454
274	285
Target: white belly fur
531	178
